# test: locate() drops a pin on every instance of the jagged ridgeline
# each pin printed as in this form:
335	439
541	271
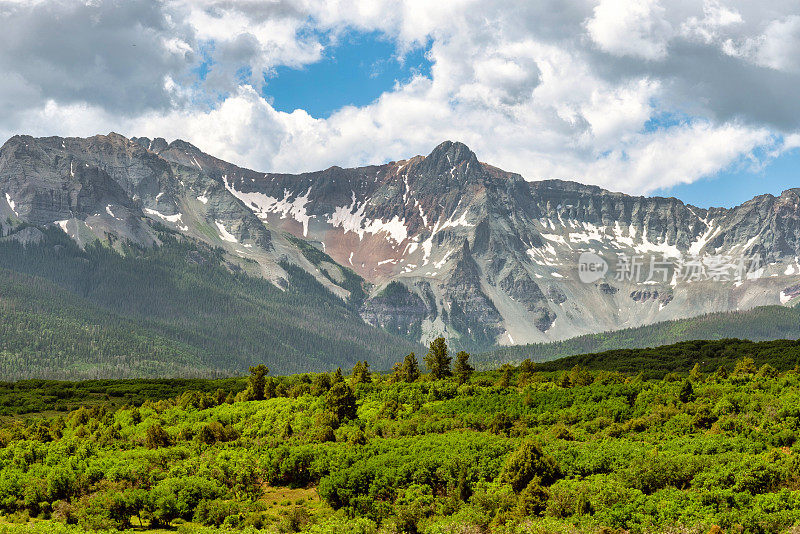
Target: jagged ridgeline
436	245
176	309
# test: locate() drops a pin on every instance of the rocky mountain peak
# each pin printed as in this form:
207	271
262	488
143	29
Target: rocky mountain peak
13	140
451	159
792	193
180	144
457	151
154	145
116	138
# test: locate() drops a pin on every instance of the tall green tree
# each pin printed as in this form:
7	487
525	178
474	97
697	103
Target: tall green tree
257	381
686	393
361	373
341	401
409	369
527	463
505	379
438	360
337	376
157	437
463	370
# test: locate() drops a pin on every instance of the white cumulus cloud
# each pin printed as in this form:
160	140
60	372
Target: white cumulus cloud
631	95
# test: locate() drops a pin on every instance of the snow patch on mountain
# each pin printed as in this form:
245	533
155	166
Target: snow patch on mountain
12	204
555	238
352	219
665	249
224	234
710	233
455	223
171	218
261	204
591	233
439	264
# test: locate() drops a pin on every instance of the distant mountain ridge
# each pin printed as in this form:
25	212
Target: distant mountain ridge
474	253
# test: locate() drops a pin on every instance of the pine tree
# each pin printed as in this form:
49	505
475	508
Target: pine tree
361	373
696	374
157	437
397	372
437	360
505	378
337	376
257	381
321	384
687	392
526	370
410	368
463	370
270	388
527	462
341	402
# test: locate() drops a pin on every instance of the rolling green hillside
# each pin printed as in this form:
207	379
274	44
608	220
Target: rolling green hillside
758	324
175	310
709	356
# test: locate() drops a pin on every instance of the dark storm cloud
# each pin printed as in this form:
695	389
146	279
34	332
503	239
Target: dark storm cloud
110	54
702	80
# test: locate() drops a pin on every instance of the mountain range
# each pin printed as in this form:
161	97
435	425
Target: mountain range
432	245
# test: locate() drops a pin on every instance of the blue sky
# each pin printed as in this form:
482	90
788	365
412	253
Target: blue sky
354	72
732	187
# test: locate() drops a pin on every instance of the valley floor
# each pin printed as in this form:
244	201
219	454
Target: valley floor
517	450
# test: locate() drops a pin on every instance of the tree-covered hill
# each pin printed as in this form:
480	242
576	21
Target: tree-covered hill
173	310
758	324
708	356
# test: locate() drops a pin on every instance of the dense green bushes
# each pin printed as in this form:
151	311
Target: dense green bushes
513	450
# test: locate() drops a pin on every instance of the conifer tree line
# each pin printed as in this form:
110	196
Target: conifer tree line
176	310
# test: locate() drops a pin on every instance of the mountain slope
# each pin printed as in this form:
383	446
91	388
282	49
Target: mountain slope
49	332
759	324
174	310
485	257
492	259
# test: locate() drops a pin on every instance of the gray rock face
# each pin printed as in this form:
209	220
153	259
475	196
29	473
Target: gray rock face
470	310
556	295
469	251
397	310
47	183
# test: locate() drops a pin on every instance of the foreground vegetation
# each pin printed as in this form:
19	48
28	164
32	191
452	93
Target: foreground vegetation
519	449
